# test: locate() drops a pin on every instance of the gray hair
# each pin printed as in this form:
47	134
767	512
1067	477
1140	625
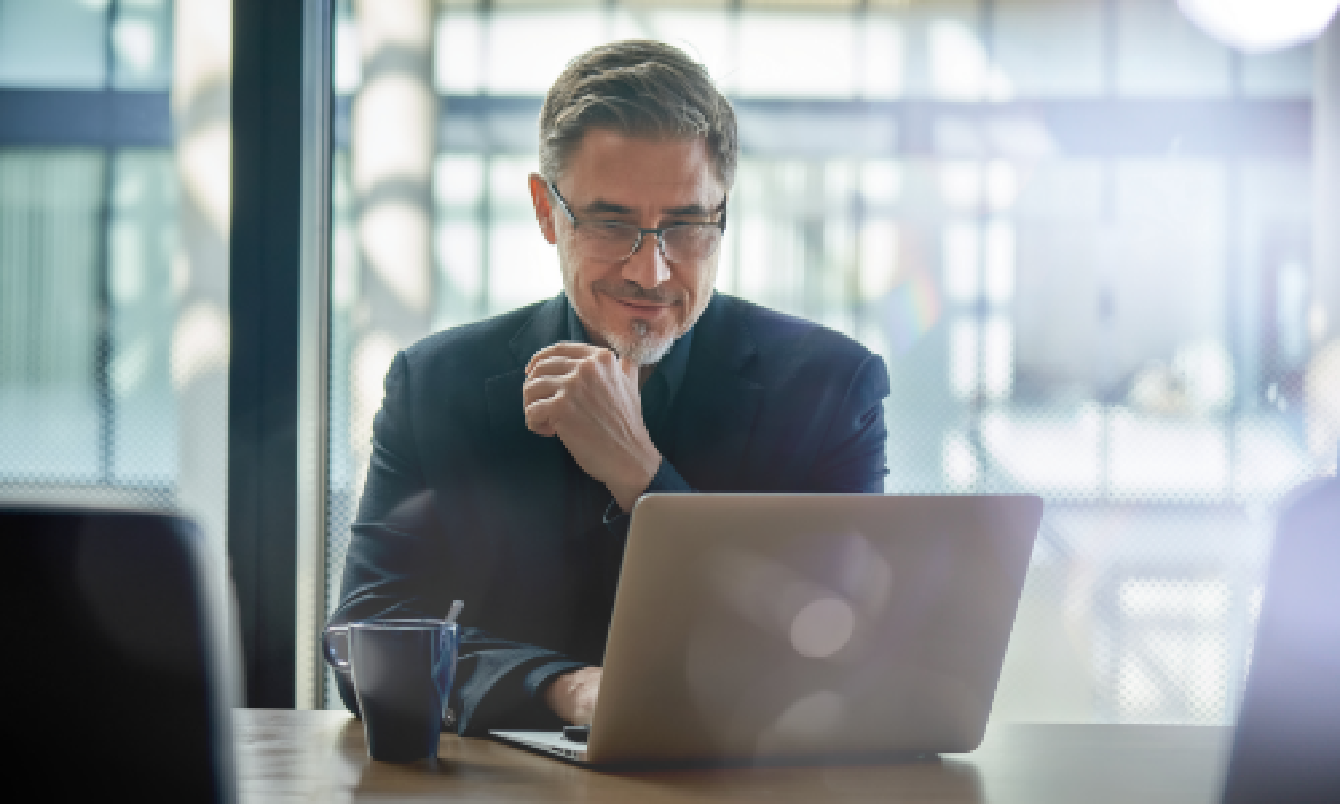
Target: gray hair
636	87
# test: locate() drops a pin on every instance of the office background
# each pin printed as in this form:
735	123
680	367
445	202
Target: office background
1085	236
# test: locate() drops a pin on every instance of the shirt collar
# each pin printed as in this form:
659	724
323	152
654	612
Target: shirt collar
672	367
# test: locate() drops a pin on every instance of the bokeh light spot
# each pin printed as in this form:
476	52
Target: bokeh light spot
823	627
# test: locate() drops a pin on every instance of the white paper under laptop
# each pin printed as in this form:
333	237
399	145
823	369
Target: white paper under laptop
772	628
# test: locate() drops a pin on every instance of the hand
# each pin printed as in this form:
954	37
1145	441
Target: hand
589	398
572	696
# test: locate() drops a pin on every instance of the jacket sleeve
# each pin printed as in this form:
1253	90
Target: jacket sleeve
399	531
852	456
666	481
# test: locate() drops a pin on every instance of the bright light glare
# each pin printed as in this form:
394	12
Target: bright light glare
135	43
1260	25
823	627
806	55
348	58
878	269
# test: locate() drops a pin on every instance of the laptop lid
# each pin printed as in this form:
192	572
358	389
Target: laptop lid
770	627
1286	746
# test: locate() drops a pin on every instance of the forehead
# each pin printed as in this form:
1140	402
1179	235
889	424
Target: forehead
641	172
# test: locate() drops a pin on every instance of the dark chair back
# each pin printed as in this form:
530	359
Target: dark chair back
1286	747
117	680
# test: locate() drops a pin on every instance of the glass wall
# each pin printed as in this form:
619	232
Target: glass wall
113	261
1078	232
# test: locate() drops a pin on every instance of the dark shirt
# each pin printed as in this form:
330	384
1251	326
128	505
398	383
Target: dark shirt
595	534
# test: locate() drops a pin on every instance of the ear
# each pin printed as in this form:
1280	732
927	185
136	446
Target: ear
544	207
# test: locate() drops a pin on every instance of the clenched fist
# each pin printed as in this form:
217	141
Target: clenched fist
589	398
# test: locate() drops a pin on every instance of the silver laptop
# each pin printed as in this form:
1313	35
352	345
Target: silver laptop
779	628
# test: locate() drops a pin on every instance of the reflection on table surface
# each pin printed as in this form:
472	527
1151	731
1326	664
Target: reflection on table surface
320	756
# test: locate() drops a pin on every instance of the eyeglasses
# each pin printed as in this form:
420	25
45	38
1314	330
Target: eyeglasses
615	241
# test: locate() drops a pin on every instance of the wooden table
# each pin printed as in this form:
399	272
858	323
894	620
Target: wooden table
301	756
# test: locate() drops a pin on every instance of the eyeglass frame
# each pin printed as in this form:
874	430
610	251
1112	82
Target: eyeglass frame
641	232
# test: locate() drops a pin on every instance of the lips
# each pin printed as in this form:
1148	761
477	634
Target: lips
640	307
643	307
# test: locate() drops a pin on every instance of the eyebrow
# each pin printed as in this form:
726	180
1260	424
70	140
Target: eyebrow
602	207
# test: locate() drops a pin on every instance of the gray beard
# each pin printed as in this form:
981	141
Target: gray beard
644	349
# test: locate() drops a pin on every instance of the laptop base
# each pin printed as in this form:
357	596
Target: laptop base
552	744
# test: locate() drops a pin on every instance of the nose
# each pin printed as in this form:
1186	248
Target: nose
647	265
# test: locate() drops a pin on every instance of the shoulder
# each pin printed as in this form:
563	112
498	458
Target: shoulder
782	341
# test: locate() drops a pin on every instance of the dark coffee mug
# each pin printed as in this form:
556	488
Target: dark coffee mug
401	671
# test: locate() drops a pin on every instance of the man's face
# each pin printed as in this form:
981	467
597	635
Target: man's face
640	305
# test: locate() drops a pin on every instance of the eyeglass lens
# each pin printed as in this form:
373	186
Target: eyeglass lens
616	241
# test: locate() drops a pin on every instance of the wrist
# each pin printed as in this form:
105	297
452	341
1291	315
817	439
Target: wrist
634	483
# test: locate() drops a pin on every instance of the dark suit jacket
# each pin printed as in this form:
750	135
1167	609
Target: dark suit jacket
462	501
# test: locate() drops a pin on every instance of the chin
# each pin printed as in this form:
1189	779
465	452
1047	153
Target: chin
643	346
647	351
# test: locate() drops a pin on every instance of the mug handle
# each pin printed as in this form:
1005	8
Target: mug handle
333	655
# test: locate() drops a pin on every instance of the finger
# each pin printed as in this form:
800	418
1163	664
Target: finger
553	365
586	701
541	428
543	415
533	391
572	349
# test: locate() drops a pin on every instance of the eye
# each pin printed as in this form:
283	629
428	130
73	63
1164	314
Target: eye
612	231
692	229
691	233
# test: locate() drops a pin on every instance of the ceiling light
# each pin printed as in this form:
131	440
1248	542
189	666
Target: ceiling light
1257	26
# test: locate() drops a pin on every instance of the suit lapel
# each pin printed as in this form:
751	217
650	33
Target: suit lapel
546	326
529	466
717	403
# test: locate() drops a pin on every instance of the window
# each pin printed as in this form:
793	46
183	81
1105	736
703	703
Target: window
113	252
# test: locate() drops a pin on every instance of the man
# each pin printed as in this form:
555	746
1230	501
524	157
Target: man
509	453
